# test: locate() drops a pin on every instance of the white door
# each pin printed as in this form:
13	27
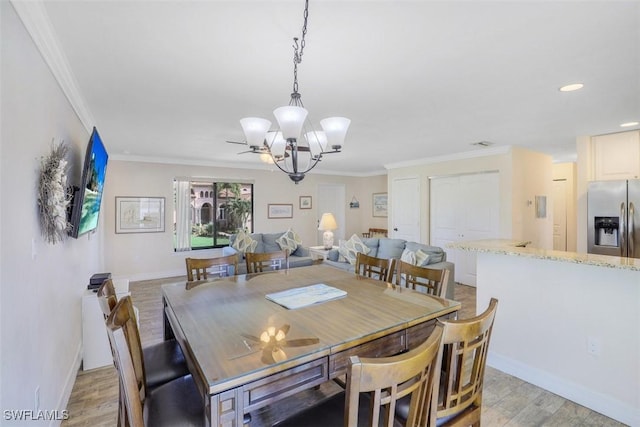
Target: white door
560	215
464	207
405	210
331	198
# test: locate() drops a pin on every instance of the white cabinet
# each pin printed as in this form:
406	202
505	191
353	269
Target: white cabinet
616	156
96	351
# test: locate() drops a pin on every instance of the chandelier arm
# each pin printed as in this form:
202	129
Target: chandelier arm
315	160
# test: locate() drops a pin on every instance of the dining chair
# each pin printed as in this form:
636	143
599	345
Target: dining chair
266	261
200	268
377	268
161	362
465	348
374	385
176	402
432	280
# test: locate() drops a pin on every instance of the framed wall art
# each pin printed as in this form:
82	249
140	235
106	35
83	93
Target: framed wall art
280	210
305	202
139	215
380	204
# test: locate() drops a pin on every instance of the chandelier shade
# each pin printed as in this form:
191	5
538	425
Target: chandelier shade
290	120
255	129
317	141
336	130
296	146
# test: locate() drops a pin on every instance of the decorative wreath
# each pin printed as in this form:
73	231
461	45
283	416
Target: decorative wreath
53	197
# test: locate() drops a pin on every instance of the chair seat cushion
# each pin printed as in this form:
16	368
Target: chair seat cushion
163	362
402	412
331	412
176	403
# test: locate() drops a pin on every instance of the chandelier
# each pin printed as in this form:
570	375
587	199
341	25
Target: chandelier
295	147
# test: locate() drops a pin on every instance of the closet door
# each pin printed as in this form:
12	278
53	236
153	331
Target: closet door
463	208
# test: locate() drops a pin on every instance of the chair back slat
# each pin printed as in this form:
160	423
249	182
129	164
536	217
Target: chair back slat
107	297
466	344
432	280
376	268
388	379
200	268
122	331
266	261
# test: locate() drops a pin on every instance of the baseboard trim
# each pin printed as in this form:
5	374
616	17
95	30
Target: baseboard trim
157	275
68	385
592	399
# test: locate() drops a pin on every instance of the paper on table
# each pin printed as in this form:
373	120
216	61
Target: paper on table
305	296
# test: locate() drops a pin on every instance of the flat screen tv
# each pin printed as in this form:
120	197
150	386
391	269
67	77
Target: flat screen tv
85	210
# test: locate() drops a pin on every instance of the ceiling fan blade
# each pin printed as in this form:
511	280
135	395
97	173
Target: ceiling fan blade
237	142
300	342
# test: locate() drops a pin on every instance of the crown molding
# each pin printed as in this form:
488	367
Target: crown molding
232	165
34	17
457	156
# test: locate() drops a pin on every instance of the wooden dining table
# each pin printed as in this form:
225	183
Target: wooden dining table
246	351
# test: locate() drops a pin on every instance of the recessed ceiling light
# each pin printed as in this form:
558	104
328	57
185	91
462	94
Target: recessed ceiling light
629	124
571	87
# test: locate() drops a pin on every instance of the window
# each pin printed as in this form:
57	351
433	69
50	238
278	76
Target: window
207	221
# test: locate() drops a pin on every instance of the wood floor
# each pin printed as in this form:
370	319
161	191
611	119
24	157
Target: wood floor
507	401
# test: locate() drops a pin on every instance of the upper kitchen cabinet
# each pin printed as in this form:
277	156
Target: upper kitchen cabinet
616	156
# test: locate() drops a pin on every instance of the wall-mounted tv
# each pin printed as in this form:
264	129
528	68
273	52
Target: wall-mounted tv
85	210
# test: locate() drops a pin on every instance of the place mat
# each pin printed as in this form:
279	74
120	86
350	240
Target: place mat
306	296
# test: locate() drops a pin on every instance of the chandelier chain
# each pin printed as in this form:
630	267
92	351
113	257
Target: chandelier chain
298	50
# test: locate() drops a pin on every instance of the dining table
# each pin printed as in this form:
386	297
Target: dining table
252	340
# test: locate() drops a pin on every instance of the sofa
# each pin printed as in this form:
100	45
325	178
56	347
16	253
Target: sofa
267	242
393	248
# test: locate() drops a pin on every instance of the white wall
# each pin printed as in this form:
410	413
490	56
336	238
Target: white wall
523	174
531	176
40	284
547	312
151	255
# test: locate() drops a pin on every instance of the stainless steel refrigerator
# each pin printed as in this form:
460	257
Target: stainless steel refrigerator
614	221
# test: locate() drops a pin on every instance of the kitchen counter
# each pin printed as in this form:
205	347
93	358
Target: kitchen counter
566	322
518	248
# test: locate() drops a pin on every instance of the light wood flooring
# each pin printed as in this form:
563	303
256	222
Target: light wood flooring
507	401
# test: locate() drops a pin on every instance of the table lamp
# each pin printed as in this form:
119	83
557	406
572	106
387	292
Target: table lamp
327	224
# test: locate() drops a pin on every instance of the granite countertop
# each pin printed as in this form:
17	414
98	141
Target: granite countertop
518	248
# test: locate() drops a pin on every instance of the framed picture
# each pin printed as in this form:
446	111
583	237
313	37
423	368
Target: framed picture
280	211
380	204
139	214
305	202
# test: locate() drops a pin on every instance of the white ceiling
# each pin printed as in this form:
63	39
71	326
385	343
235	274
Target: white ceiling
171	79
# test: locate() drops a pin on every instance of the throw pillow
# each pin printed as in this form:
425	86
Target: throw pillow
289	241
341	249
422	258
408	256
244	242
352	247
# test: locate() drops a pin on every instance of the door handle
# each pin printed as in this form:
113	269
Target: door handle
632	229
395	229
622	231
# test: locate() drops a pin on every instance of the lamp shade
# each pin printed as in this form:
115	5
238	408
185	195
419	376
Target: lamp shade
255	129
317	142
276	143
290	120
336	130
327	222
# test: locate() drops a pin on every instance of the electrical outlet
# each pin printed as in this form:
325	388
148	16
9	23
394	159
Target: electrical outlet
36	402
593	346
